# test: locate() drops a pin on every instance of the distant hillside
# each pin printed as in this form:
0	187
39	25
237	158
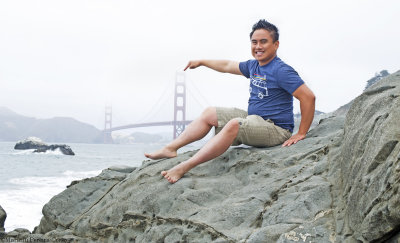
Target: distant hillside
297	118
316	113
14	127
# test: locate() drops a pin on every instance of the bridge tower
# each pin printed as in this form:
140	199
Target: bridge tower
107	125
179	104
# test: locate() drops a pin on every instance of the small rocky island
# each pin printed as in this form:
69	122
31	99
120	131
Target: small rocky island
40	147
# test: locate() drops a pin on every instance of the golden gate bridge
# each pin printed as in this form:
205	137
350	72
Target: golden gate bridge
178	123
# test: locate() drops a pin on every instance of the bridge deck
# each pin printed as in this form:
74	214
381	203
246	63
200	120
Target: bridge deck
148	124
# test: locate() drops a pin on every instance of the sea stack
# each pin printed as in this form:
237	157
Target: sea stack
40	147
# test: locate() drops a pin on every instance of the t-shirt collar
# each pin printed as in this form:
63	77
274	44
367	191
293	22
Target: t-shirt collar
273	59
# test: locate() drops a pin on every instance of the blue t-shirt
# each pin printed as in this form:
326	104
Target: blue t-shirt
271	88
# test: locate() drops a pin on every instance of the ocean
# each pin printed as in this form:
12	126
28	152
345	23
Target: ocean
29	180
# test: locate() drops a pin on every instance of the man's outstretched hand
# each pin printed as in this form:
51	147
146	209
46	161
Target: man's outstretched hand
293	140
192	65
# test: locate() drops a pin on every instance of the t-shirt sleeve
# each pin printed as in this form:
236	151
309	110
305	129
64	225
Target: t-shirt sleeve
244	68
288	79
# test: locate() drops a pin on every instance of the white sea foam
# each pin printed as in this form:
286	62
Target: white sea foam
33	139
57	151
81	174
27	151
24	202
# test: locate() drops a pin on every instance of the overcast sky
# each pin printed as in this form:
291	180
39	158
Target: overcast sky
70	58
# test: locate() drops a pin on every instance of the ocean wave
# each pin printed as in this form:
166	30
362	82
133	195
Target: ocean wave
81	174
57	181
57	151
23	152
32	193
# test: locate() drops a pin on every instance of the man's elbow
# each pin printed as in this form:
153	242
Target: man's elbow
308	98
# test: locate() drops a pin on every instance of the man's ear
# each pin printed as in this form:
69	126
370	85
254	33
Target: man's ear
276	44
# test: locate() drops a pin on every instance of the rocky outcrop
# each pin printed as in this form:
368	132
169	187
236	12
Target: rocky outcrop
40	147
3	216
80	196
65	149
30	143
340	184
367	167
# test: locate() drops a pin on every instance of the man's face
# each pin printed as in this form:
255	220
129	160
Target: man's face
263	47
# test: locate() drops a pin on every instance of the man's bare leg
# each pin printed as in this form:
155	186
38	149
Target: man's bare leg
212	149
196	130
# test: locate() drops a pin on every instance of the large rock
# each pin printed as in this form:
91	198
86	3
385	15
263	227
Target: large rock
30	143
340	184
368	167
40	147
80	196
3	216
65	149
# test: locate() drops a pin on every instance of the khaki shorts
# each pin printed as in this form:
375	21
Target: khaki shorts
253	130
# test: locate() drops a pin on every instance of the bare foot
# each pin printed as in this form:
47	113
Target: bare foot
161	154
174	174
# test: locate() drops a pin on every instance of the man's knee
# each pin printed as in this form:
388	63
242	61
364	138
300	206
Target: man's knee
209	115
209	110
232	126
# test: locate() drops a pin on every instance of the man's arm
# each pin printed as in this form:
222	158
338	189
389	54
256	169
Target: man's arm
223	66
307	109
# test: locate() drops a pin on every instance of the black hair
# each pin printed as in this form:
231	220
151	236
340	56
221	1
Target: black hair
263	24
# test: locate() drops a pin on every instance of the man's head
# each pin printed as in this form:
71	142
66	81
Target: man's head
263	24
264	41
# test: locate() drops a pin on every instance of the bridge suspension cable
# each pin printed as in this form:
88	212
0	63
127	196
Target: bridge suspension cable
158	105
193	84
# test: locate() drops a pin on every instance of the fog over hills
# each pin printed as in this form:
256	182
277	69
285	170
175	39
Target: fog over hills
14	127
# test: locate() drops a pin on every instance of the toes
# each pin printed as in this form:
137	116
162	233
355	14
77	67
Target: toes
170	178
148	155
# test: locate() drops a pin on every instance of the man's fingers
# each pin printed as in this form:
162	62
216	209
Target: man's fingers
293	140
286	143
192	65
186	66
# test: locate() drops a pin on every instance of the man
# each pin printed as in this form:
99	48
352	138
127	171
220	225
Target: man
269	119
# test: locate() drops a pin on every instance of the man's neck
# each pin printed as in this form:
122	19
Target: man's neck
266	62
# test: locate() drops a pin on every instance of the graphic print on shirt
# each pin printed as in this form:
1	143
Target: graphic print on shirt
260	82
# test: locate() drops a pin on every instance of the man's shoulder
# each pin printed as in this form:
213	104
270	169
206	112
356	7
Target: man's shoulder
282	67
251	62
279	63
